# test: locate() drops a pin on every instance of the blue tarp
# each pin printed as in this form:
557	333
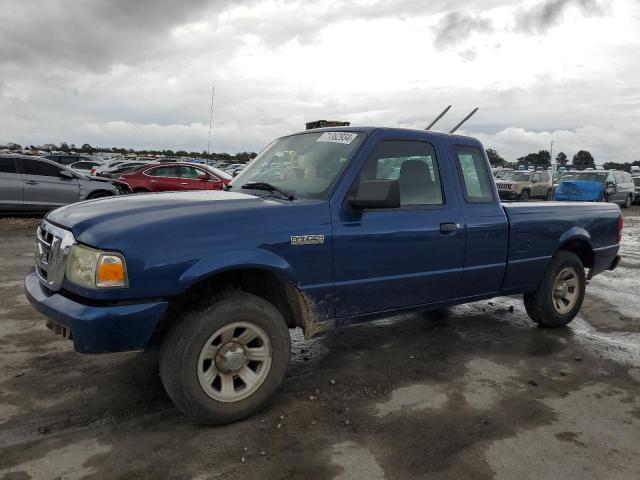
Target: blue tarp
578	191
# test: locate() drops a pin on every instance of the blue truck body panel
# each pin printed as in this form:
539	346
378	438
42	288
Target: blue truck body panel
368	263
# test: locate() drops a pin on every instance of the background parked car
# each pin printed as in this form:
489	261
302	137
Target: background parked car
636	182
68	159
615	186
234	169
85	166
118	169
35	184
523	185
175	177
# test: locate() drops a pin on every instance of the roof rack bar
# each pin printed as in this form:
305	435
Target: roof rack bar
464	120
438	118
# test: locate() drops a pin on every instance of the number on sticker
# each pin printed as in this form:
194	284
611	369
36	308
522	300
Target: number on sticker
337	137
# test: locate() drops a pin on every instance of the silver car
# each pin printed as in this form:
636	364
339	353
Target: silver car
34	184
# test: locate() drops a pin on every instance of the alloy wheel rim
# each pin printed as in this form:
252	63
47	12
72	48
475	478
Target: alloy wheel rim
565	291
234	362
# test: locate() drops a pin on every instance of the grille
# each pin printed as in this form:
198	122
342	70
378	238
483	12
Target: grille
52	248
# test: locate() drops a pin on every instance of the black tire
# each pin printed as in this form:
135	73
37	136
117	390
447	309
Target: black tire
627	202
140	190
524	196
181	348
549	195
100	194
540	305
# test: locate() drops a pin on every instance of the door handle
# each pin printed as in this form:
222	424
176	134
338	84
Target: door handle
184	183
31	182
448	228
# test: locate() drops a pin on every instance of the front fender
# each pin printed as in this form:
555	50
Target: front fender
233	260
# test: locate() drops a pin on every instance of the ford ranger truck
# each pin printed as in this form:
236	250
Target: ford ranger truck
325	228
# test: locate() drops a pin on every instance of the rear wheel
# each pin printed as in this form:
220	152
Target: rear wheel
524	196
627	202
560	294
549	195
223	362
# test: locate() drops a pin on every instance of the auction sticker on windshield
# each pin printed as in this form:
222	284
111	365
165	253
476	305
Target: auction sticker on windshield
337	137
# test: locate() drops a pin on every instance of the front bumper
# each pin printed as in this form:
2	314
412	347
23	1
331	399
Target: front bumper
508	195
96	328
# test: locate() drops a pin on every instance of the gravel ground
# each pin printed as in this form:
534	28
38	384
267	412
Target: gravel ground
478	393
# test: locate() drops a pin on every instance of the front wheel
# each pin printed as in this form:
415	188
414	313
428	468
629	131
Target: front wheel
627	202
223	362
549	195
524	196
561	292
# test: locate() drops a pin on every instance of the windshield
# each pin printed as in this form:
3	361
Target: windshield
306	165
516	177
585	176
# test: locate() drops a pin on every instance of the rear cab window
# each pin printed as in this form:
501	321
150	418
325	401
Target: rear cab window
474	175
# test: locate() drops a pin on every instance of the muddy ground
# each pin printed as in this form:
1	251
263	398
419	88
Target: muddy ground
481	393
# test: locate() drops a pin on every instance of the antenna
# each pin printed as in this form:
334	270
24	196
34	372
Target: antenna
464	120
438	118
213	87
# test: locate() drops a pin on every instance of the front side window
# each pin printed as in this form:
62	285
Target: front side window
190	172
413	164
476	184
307	165
7	165
35	167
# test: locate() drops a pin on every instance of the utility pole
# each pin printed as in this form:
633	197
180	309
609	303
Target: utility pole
554	166
213	87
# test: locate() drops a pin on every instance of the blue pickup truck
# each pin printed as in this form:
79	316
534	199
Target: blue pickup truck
325	228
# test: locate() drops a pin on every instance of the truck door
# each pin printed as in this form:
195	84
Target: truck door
487	229
412	255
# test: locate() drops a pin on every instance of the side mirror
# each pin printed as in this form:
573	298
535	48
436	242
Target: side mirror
66	174
374	194
204	176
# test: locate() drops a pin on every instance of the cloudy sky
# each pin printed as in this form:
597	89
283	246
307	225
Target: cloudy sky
138	73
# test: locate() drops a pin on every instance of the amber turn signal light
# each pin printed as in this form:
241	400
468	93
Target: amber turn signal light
111	272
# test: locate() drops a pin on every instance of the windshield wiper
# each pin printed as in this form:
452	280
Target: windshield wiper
267	187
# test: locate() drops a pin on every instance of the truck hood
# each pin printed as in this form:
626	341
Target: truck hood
95	222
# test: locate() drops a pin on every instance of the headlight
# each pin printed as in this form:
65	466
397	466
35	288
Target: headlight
93	268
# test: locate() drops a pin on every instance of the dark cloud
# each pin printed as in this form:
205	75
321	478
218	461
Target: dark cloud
549	13
92	34
456	27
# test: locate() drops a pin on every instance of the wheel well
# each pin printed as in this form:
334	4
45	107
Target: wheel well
582	249
292	304
140	190
95	193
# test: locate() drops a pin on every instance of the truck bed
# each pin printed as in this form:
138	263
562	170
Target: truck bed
537	229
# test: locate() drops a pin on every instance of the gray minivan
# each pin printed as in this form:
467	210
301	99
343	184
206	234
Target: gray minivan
36	185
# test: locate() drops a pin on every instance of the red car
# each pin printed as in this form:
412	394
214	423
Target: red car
171	177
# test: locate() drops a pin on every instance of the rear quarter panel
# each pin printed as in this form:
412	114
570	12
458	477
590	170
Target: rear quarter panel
538	229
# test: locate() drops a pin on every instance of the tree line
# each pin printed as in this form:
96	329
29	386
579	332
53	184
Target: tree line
86	148
582	159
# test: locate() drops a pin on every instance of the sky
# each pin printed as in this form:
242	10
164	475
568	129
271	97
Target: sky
139	74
